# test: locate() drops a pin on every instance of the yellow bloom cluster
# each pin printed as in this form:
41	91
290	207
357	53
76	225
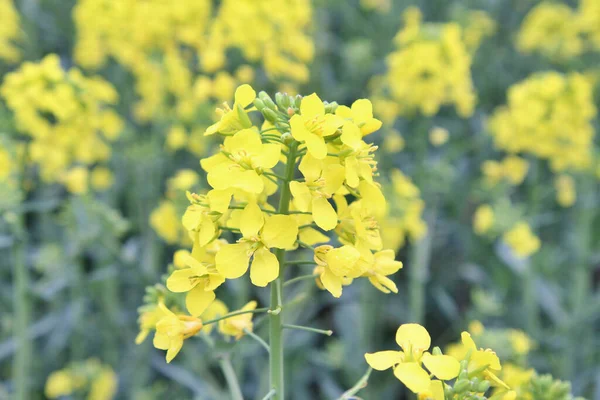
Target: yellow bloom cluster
166	218
235	229
9	32
548	115
512	169
559	32
429	69
90	377
566	193
66	115
522	240
404	219
170	48
426	373
483	219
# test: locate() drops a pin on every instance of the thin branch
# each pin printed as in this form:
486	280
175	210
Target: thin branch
308	329
258	339
300	278
233	314
361	384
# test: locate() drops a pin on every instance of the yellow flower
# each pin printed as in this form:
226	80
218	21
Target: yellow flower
361	113
521	343
259	234
199	280
321	182
484	360
60	383
414	340
377	266
167	223
76	180
393	142
101	178
357	225
104	386
176	138
201	221
435	391
172	330
438	136
338	265
241	162
183	180
515	169
313	125
234	119
522	241
149	316
10	32
483	219
237	325
566	194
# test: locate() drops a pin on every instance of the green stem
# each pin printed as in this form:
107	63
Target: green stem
231	378
270	394
418	274
361	384
300	262
300	278
276	364
233	314
258	339
22	362
308	329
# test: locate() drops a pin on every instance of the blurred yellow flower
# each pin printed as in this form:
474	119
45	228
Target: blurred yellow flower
522	240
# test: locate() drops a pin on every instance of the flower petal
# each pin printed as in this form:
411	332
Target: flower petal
198	300
413	335
244	95
251	220
413	376
383	360
442	366
280	231
324	214
265	267
232	260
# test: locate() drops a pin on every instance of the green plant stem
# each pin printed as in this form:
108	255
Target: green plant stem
233	314
231	378
276	363
418	272
258	339
308	329
270	394
300	278
22	362
361	384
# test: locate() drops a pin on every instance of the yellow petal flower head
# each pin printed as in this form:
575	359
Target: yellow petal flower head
338	267
357	224
172	330
234	119
10	32
378	266
241	162
359	162
361	113
414	341
482	360
149	315
259	234
566	194
237	326
199	220
321	182
522	240
313	125
483	219
198	280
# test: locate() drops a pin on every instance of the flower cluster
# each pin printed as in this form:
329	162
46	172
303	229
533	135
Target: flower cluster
9	32
235	228
89	378
429	374
429	69
178	53
405	216
66	115
550	116
522	240
559	32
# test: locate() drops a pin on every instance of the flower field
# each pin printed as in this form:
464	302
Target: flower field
300	199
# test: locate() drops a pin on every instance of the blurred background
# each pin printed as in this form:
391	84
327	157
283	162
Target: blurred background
488	156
